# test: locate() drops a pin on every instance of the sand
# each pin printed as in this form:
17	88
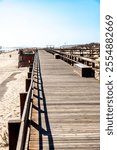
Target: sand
12	82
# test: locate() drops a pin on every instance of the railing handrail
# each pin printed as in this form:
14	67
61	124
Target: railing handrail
25	115
80	57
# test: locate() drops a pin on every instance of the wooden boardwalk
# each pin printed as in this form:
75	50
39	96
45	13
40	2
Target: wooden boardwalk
65	111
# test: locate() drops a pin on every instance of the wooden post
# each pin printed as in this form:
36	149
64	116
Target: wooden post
72	61
30	67
68	59
65	58
13	129
75	58
62	56
22	102
28	81
82	61
29	74
85	62
93	65
79	60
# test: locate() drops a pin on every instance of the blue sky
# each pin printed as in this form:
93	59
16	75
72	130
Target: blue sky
49	22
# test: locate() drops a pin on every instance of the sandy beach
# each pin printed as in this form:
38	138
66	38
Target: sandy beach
12	82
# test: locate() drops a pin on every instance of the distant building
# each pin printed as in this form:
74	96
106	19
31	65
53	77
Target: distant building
26	57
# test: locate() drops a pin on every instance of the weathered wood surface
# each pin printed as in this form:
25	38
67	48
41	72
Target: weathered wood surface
65	111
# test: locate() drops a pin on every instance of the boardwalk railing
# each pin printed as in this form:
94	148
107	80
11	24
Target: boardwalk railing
24	131
73	59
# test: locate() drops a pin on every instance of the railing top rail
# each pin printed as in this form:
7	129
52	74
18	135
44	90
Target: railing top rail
83	58
76	49
25	115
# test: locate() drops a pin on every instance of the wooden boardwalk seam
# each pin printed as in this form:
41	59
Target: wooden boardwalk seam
65	111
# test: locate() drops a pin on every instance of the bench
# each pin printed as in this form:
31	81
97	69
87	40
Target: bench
56	56
83	70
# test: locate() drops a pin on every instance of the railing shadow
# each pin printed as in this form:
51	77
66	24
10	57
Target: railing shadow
42	114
